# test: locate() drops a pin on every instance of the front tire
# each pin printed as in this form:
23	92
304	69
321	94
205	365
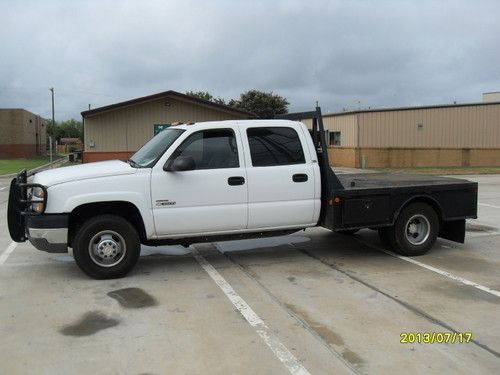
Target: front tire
416	230
106	247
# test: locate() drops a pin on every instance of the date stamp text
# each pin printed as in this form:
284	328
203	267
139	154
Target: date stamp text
435	337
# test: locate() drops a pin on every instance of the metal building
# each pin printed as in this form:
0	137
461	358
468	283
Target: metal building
116	131
444	135
22	134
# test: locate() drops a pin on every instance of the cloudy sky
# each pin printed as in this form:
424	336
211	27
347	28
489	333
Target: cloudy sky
344	54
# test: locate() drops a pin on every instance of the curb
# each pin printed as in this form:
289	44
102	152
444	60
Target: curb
37	169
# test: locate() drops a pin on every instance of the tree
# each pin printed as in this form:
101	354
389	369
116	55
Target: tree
205	95
65	129
263	104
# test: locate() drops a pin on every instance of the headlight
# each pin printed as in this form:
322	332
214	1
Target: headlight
38	192
38	196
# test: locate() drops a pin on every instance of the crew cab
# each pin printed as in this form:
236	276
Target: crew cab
214	181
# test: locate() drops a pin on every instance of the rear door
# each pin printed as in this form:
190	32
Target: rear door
210	199
281	177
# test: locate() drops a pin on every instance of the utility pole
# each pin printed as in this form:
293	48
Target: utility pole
53	121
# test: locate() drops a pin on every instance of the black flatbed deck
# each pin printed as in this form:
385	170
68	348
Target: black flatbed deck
375	199
358	181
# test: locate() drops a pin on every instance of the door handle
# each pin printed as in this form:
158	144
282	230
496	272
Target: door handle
237	180
299	177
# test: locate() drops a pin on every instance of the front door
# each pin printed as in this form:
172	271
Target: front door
209	199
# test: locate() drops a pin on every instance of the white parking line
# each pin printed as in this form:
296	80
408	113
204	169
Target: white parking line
5	187
279	350
7	252
487	205
487	234
436	270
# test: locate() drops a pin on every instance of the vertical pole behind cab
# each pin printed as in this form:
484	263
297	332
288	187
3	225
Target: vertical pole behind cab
330	181
330	184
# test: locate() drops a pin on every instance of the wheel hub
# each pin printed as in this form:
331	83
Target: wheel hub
107	248
412	228
417	229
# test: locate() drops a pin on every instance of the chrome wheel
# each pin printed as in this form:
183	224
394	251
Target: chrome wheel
417	229
107	248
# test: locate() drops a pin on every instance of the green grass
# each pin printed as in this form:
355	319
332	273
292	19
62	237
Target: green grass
443	170
8	166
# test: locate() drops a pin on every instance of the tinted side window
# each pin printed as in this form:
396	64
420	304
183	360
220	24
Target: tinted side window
274	146
211	149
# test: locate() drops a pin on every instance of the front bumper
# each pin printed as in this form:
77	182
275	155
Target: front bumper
48	232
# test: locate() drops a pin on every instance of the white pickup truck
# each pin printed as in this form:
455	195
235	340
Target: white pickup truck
225	180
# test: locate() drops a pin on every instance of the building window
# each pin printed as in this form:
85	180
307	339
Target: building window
334	138
274	146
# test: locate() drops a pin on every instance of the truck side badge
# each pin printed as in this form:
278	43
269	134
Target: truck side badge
164	202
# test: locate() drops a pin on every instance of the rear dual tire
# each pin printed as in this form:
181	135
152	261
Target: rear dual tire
414	232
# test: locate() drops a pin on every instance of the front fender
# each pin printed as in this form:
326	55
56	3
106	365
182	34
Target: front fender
135	189
135	198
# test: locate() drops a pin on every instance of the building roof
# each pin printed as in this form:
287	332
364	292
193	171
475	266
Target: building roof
408	108
168	94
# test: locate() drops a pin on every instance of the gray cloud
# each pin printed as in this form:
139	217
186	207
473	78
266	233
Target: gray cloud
341	53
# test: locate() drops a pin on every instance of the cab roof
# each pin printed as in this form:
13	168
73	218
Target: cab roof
223	123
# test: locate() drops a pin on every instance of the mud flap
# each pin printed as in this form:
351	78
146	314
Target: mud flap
453	230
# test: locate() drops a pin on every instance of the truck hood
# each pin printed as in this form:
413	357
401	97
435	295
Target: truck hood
83	172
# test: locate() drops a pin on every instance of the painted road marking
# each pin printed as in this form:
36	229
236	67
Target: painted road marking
436	270
7	252
5	187
279	350
487	205
487	234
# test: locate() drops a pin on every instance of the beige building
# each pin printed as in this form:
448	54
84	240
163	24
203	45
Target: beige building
118	130
446	135
491	96
22	134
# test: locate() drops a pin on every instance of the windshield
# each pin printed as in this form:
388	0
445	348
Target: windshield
149	154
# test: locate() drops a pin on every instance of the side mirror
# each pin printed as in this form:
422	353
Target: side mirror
179	164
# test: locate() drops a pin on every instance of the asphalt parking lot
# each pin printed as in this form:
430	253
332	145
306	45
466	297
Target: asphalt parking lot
313	302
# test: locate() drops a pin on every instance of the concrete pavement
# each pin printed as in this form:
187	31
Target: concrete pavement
334	303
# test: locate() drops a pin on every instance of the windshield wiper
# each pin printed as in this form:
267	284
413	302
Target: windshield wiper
133	164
